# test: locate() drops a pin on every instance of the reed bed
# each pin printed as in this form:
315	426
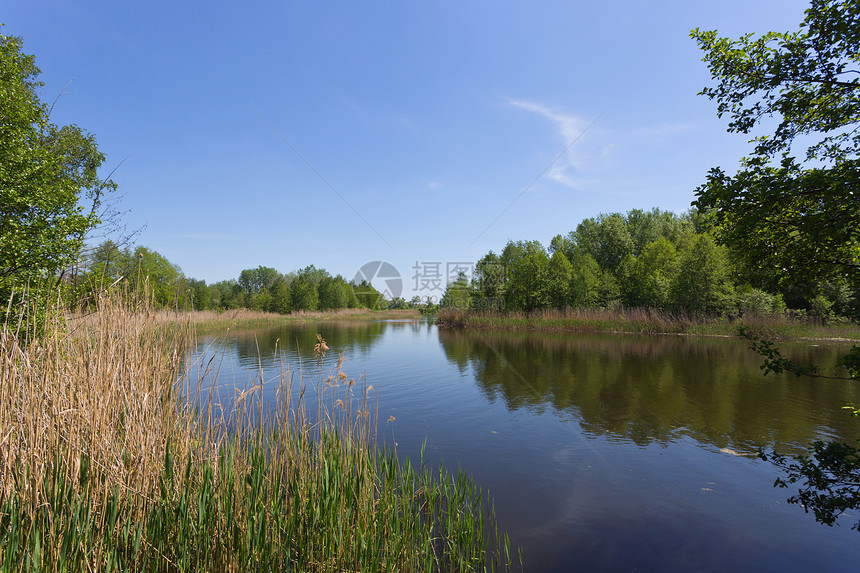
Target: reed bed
111	460
644	321
208	320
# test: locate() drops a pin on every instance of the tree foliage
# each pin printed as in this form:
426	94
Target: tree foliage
789	215
47	175
789	211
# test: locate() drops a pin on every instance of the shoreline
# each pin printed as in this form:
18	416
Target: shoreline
646	322
208	320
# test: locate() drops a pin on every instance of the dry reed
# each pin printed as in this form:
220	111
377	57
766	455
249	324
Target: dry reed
644	321
111	460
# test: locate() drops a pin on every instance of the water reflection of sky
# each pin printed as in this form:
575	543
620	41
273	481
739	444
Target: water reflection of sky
601	452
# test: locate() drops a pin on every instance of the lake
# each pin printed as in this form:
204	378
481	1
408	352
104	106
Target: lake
601	452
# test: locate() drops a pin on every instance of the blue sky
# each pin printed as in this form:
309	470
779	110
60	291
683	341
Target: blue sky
419	122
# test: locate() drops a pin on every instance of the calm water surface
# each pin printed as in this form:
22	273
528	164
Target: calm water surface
602	452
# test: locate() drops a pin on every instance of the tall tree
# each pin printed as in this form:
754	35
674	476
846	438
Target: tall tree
605	238
303	293
257	280
47	174
585	281
165	280
651	275
558	278
791	215
702	281
334	293
281	298
456	294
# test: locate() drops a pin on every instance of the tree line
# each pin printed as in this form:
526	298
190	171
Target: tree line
261	288
653	259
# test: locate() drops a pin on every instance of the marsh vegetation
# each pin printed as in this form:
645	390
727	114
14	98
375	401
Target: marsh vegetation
113	460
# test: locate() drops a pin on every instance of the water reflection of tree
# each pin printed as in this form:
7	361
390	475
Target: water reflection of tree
355	338
655	389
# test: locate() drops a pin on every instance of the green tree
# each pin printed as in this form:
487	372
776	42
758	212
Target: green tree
230	295
651	275
456	294
334	293
366	296
201	297
303	293
605	238
47	175
558	279
257	280
527	281
489	280
165	280
645	227
702	282
281	298
794	217
585	281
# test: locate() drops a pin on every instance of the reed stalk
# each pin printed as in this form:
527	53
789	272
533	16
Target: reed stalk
111	459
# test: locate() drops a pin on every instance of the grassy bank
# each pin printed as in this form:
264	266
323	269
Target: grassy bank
644	321
212	320
107	464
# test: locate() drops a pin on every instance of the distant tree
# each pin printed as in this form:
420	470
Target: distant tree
334	293
564	245
585	281
608	289
109	263
702	282
456	294
201	297
366	296
605	238
303	293
645	227
558	280
314	275
397	303
165	280
281	297
257	280
651	276
230	294
527	282
490	280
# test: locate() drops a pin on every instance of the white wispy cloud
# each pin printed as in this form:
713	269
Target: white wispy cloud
595	150
571	128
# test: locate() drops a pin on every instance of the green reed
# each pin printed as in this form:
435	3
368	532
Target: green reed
149	479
